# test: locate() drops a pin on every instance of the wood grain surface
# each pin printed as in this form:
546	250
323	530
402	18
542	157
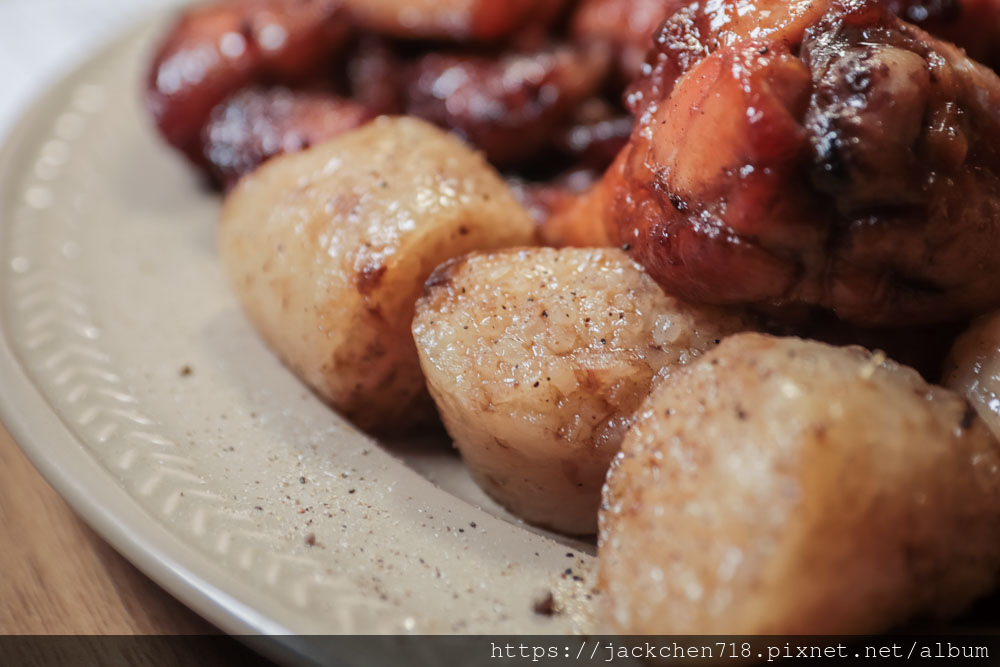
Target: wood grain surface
59	577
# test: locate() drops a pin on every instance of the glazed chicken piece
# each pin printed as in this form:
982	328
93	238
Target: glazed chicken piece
509	106
257	124
842	158
216	49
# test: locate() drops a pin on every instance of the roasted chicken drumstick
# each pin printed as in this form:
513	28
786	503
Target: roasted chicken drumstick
823	153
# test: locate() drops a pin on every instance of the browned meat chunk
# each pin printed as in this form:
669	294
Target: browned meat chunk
841	158
258	124
214	50
509	106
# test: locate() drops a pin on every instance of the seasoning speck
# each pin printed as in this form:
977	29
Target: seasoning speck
545	605
185	371
311	539
968	417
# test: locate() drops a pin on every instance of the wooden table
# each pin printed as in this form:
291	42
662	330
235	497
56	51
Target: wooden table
59	577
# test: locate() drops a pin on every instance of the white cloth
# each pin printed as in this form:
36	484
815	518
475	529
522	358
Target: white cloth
41	39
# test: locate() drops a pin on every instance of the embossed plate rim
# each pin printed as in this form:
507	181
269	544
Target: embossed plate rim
62	458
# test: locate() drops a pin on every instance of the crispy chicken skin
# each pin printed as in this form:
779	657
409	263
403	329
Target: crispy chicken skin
781	486
216	49
233	84
841	158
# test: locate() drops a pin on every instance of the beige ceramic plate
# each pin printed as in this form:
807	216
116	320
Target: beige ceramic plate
130	377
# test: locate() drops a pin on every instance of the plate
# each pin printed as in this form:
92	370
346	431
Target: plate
133	382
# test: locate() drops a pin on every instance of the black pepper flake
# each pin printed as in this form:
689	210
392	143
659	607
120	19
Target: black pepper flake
302	480
472	524
569	554
185	371
604	341
627	247
545	313
545	605
351	490
258	508
968	418
536	384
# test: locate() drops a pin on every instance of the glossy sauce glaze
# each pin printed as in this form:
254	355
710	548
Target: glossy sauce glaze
820	153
